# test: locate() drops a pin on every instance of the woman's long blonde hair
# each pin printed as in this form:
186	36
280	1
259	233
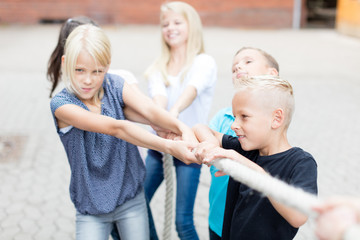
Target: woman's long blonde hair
195	43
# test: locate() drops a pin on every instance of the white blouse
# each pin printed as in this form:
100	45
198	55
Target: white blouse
202	75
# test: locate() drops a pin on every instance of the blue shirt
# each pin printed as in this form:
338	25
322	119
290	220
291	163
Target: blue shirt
221	122
105	171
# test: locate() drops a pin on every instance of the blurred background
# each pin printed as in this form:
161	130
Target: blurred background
342	14
316	42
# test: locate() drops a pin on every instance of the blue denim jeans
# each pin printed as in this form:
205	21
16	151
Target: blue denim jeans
187	181
153	235
131	219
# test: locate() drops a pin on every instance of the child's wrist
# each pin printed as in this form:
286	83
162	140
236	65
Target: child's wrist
168	145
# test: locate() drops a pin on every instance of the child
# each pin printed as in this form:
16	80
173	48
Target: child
54	68
248	61
107	172
263	108
54	64
182	80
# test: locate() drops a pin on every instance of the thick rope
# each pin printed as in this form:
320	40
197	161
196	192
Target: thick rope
169	187
269	186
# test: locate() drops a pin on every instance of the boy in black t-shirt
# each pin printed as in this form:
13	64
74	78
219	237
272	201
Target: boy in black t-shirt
262	107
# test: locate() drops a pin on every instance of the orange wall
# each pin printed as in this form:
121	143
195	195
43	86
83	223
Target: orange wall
348	17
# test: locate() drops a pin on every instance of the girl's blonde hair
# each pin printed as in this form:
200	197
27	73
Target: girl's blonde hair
195	43
94	41
278	93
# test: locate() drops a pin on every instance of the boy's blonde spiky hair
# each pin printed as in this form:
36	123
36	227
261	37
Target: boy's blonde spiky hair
278	92
263	81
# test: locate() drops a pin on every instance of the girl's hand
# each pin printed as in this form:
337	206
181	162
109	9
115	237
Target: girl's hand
173	136
184	151
164	133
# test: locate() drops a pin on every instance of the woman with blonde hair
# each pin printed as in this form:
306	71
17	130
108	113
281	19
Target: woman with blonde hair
182	81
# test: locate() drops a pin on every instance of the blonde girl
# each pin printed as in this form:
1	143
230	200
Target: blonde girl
182	81
107	172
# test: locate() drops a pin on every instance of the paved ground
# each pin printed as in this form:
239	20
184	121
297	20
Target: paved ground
34	175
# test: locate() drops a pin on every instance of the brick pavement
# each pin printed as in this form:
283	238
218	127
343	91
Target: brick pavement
322	65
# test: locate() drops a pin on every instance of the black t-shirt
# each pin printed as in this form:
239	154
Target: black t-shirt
248	214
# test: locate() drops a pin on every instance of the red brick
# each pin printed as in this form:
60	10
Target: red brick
228	13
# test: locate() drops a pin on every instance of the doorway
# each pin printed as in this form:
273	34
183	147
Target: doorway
321	13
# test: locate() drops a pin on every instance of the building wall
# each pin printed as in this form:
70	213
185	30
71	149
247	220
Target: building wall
348	17
228	13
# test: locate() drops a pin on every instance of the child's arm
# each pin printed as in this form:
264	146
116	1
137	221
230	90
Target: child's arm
292	216
154	114
78	117
133	116
204	133
209	140
219	152
185	100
